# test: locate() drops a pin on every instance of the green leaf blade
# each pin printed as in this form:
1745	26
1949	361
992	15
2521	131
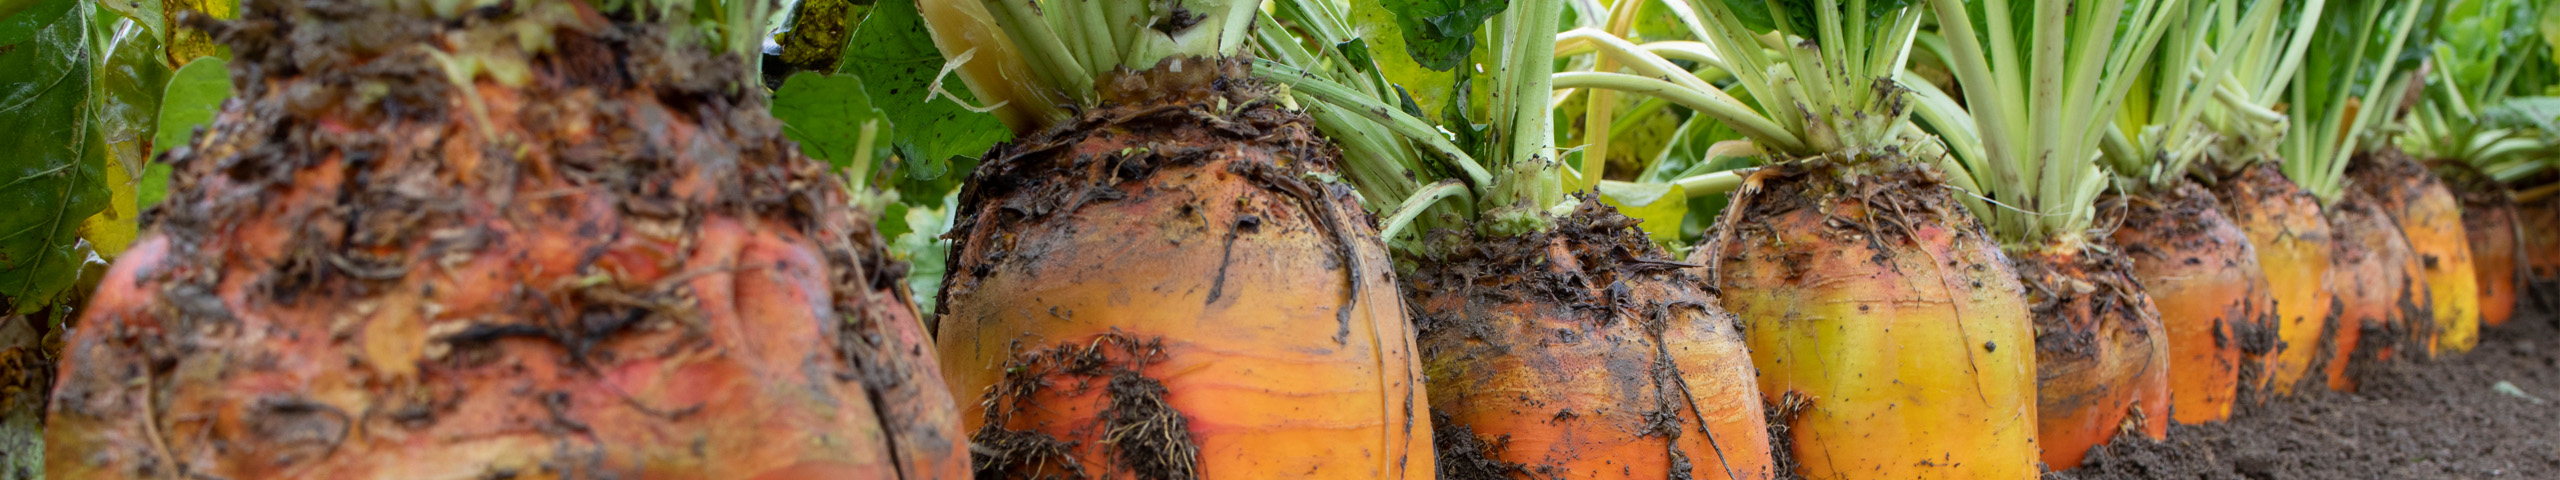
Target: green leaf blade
1439	34
52	156
898	63
826	115
1658	207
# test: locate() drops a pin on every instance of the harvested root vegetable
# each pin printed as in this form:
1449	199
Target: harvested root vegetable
2427	214
2204	277
2540	225
2492	228
2373	277
1585	352
1890	337
2292	239
1888	330
1159	278
1181	218
2490	223
2497	253
2102	359
597	258
2101	355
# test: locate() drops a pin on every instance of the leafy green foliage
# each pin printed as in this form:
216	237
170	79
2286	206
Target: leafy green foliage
1440	34
2549	26
2480	37
53	151
827	115
919	242
1431	89
2525	112
885	80
1755	15
1659	207
1762	15
2335	49
194	95
897	62
153	18
128	88
1655	22
1690	153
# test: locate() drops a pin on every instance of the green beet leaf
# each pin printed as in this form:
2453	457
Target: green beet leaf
53	153
898	64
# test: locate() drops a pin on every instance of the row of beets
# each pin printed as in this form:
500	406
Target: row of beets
616	266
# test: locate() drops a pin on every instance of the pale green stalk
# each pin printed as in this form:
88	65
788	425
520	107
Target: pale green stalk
1598	119
1373	157
1040	46
2517	171
1066	44
1523	129
2317	158
2041	138
1392	118
1419	202
2171	137
2447	125
1722	108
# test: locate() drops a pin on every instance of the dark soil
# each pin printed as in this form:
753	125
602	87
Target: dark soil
1463	455
2442	419
1146	436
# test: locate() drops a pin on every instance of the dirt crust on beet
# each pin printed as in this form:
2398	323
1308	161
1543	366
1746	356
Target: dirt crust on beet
1590	309
552	240
1038	180
1502	268
1193	206
1145	437
2446	418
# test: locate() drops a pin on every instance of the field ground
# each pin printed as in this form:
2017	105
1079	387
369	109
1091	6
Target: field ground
2447	419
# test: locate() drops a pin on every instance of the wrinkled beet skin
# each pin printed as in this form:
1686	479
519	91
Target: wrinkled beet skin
1186	213
2102	358
2540	222
623	272
2374	278
2425	213
1589	354
2203	274
2489	224
2285	226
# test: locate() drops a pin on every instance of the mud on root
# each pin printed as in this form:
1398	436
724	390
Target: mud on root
1464	455
1143	433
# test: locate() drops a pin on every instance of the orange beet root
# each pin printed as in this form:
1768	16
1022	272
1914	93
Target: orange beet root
2489	224
2540	225
2373	276
1265	321
1586	353
2203	275
2101	356
2292	239
568	277
1889	334
2426	213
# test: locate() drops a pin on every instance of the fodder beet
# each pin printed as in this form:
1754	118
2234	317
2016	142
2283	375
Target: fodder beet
532	240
